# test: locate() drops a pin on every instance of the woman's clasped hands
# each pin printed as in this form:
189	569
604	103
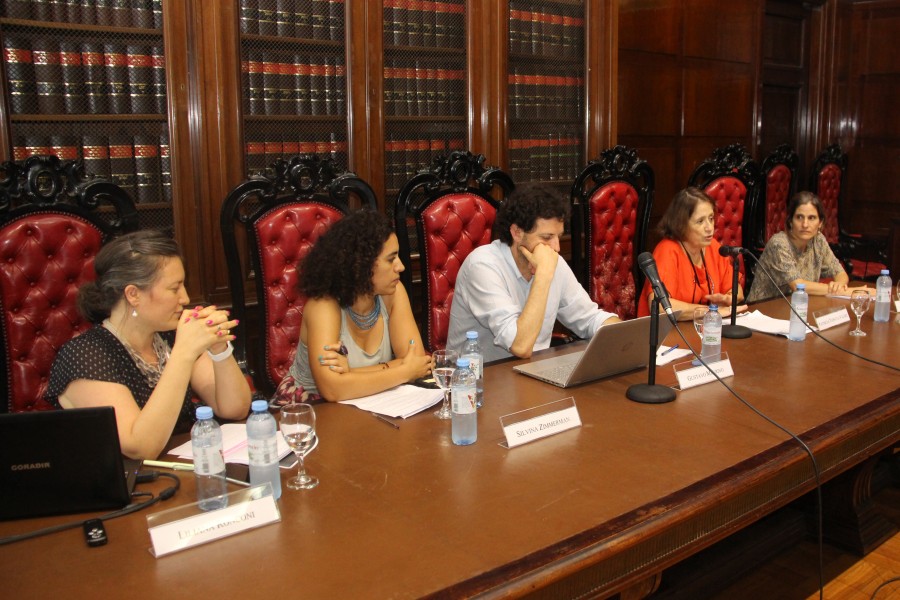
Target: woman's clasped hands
205	328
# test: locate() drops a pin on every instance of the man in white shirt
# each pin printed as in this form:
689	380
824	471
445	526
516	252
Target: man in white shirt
513	290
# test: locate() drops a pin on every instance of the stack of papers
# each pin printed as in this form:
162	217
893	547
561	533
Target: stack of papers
759	322
234	445
402	401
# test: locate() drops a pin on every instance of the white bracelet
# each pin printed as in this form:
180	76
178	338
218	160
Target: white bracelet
223	354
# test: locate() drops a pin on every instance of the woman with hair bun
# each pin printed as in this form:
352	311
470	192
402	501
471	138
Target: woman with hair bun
131	361
358	335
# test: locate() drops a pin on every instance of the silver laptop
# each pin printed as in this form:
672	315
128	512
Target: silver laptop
614	349
62	461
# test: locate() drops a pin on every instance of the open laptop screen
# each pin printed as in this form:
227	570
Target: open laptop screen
62	461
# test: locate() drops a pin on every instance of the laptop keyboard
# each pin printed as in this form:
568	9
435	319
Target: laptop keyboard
558	373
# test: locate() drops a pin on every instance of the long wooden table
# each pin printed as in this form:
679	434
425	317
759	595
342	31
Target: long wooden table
403	513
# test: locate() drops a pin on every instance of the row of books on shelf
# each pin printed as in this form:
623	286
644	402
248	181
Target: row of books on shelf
422	23
404	157
423	88
298	85
139	164
144	14
49	76
308	19
548	96
261	154
552	156
546	33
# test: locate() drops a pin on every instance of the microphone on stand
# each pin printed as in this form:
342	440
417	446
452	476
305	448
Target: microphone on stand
660	293
651	392
732	330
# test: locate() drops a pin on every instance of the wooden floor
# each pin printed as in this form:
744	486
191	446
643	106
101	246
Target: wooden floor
793	575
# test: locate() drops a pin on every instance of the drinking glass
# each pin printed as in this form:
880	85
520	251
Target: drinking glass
699	313
859	303
298	425
443	363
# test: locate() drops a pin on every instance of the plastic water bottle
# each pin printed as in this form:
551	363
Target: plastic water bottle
800	303
883	297
711	348
209	462
464	423
262	447
472	351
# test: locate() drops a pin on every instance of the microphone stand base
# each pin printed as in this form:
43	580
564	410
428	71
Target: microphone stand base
736	332
650	394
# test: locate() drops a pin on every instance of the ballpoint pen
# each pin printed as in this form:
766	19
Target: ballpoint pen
388	421
178	466
668	350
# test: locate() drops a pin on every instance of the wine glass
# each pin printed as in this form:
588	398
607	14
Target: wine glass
699	313
859	303
443	363
298	425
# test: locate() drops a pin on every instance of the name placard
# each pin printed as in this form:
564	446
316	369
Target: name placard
539	422
826	319
694	376
172	531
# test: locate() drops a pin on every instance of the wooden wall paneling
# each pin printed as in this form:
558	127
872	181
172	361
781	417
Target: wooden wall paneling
179	32
359	76
496	28
480	88
365	76
601	56
649	94
217	135
719	99
721	30
653	27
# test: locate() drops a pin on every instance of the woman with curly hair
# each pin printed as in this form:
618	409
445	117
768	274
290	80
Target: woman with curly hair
358	335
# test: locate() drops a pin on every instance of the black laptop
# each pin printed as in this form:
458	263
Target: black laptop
62	461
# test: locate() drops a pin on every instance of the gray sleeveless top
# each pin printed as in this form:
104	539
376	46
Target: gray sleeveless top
356	356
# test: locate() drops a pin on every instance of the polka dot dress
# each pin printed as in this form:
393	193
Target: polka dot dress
98	355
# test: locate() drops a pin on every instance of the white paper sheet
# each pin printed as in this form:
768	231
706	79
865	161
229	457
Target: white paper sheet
666	354
234	445
401	401
759	322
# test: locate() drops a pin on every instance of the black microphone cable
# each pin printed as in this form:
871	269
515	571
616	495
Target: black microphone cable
142	478
815	464
806	321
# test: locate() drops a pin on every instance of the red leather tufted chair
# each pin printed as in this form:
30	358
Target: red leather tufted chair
731	179
453	211
611	201
863	255
268	226
50	233
779	181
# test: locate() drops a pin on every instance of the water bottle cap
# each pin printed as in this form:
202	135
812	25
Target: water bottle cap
259	406
713	307
801	286
204	412
462	363
471	335
885	272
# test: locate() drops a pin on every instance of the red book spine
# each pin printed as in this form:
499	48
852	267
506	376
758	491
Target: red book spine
254	94
316	87
287	96
158	91
19	74
72	78
116	64
92	62
256	158
165	168
95	153
121	163
340	87
270	84
140	79
48	76
301	84
147	169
